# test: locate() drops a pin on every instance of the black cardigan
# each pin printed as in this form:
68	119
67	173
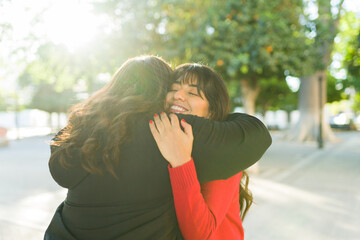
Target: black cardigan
139	204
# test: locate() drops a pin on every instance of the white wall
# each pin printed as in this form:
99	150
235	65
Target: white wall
276	119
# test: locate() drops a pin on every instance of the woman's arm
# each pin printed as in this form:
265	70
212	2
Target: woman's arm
220	149
68	177
223	149
200	214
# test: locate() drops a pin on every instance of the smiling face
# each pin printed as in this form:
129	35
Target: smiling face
187	98
200	91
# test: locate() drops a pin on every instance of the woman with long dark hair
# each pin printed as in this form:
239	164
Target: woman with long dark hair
210	210
117	180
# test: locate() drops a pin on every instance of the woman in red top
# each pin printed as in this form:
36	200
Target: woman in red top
210	210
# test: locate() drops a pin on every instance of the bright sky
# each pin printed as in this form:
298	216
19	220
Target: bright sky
70	22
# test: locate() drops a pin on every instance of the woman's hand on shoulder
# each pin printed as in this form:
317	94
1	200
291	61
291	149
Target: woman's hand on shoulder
174	144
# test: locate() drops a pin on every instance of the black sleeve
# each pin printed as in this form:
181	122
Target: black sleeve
71	176
222	149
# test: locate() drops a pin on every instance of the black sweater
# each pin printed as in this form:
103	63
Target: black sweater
139	204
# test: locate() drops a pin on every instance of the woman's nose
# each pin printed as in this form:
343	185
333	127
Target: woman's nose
179	95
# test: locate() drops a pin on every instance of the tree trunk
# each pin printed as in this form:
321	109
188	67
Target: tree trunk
307	128
249	90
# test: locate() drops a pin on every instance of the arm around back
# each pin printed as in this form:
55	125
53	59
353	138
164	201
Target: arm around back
223	149
220	150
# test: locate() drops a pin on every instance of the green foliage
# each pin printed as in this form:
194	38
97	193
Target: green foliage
335	89
52	76
242	39
347	54
46	98
356	104
321	31
234	91
346	50
352	62
53	66
275	94
254	41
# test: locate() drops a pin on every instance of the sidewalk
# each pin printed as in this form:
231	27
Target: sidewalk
28	195
300	193
306	193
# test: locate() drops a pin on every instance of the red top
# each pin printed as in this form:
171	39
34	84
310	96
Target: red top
207	211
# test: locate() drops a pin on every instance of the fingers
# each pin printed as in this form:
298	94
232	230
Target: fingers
165	120
162	122
174	121
159	124
187	128
153	130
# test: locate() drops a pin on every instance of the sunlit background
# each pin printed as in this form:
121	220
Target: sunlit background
55	53
295	64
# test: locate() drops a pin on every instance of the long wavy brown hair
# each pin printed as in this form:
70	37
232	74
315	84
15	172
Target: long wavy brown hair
99	125
215	91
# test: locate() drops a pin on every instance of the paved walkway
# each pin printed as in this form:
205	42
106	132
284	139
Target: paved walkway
300	193
28	195
306	193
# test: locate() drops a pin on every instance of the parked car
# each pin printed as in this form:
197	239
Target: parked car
345	121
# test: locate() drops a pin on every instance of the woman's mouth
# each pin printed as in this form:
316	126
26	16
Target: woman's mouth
177	109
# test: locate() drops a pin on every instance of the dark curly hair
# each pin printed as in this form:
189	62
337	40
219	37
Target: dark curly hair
100	124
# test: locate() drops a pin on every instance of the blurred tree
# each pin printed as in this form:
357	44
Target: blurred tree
137	28
53	66
341	83
346	52
356	104
254	45
51	78
322	28
186	30
352	63
276	95
133	28
46	98
91	61
246	41
335	89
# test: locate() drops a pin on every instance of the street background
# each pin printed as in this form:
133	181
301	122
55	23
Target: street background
300	192
295	64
